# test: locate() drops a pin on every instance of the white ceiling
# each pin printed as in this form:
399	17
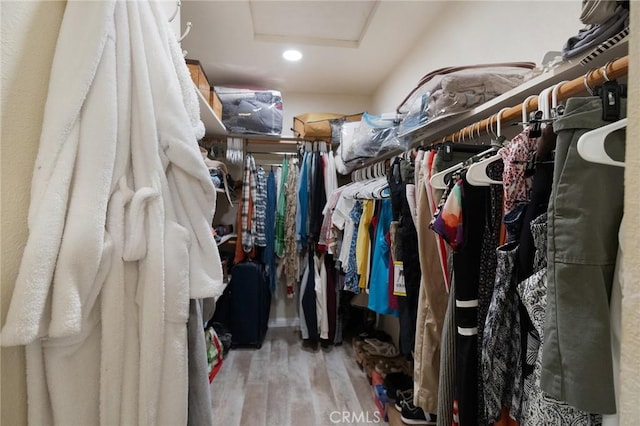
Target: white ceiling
335	23
348	47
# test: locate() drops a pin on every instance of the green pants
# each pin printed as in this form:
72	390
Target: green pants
584	212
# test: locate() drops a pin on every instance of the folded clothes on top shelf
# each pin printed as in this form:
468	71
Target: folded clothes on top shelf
453	90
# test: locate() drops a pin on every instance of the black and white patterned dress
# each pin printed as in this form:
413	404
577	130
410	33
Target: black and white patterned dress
488	266
540	409
501	345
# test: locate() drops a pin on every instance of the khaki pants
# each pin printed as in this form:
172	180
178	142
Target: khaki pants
432	306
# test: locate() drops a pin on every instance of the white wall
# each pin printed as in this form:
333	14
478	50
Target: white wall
479	32
630	342
296	103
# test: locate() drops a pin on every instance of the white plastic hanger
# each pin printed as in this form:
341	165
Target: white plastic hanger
477	173
525	118
554	96
544	104
368	188
498	121
351	189
488	127
377	187
591	144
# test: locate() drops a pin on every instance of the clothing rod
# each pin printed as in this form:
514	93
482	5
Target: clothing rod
469	148
270	139
594	78
271	142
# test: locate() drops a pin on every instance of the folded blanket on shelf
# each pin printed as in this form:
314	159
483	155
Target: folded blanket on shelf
483	81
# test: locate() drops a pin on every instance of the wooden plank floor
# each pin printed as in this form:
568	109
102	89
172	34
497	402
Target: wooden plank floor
285	384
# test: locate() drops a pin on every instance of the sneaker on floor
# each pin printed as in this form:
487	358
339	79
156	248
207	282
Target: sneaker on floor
402	398
393	382
412	415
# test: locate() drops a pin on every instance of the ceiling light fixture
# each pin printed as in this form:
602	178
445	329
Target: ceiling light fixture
292	55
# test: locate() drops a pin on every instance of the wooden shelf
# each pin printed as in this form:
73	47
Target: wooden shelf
231	241
212	124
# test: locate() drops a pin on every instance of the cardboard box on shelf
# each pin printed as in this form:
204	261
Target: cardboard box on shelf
199	77
215	103
318	125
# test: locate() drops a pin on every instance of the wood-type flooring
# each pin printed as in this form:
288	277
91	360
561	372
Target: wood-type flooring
286	384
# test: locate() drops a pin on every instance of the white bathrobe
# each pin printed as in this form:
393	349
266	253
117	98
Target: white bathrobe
119	225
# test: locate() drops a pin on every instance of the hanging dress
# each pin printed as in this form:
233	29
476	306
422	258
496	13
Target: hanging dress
540	409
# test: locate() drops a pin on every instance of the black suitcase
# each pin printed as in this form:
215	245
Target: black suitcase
249	303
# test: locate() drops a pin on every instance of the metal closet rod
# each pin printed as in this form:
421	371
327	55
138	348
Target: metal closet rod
595	77
269	139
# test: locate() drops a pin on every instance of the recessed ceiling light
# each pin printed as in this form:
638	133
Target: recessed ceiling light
292	55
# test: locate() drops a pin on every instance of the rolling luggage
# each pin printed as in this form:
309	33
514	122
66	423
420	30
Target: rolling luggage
249	303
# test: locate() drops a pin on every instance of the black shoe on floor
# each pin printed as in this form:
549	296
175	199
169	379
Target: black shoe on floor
412	415
402	398
394	382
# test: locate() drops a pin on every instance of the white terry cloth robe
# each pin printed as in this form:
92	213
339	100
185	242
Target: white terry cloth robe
54	309
101	299
176	192
189	196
